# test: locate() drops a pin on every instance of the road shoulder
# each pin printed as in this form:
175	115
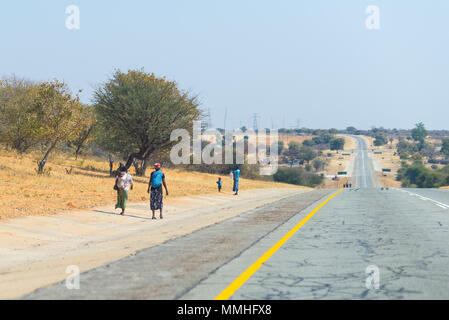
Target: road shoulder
169	270
39	249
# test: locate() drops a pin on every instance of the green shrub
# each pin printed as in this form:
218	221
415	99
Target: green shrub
297	176
418	176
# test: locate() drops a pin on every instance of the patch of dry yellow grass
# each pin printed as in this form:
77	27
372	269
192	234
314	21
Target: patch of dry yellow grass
23	192
287	138
388	181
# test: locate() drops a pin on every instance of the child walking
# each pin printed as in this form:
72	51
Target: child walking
220	184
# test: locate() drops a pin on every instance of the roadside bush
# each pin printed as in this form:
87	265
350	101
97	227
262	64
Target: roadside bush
317	164
406	148
417	156
297	176
337	144
417	175
380	140
320	142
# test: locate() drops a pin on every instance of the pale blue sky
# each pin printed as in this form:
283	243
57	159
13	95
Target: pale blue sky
314	60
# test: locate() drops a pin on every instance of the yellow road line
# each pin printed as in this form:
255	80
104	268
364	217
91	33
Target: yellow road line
241	279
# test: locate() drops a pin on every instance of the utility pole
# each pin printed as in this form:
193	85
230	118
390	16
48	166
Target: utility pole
255	124
209	118
207	124
225	117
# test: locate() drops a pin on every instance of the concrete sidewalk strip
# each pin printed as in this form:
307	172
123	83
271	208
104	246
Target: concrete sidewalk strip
169	270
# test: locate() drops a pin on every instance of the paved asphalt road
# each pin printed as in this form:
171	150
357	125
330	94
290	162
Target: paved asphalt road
364	243
363	175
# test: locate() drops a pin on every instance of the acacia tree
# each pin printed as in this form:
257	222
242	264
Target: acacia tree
112	145
138	111
419	134
59	116
18	122
307	154
380	140
445	147
87	134
293	152
337	144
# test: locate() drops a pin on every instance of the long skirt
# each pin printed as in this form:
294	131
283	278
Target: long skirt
122	197
236	186
156	198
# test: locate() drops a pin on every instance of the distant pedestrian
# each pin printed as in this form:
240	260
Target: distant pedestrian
220	184
236	177
157	179
124	183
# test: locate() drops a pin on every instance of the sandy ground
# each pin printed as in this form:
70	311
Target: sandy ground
36	250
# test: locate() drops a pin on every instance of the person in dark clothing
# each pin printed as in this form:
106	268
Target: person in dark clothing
157	179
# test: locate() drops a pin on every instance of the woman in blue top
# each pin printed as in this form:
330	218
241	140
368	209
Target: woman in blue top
236	175
157	179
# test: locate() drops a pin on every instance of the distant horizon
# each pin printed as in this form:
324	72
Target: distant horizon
341	129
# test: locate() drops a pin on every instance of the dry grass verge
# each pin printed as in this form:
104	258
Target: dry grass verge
23	192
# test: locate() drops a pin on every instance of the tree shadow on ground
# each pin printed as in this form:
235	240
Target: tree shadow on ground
93	175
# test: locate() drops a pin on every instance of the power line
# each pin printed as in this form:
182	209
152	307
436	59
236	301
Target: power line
255	121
